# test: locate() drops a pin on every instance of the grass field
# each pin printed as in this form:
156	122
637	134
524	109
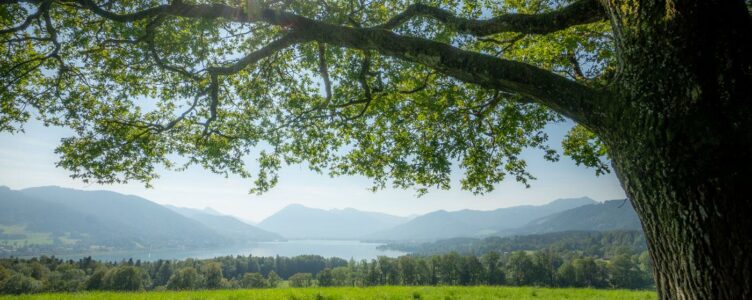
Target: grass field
388	292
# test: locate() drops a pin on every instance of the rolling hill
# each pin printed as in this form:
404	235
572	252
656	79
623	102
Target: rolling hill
130	219
24	215
55	220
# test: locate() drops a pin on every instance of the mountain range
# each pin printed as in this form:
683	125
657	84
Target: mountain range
606	216
474	223
299	222
227	226
48	218
58	218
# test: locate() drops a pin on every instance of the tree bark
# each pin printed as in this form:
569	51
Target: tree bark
680	140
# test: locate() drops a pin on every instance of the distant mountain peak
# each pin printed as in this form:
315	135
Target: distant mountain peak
212	211
226	225
296	221
296	206
576	199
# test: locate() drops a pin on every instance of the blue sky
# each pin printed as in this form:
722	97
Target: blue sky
28	160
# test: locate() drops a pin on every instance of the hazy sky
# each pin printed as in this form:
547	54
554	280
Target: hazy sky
28	160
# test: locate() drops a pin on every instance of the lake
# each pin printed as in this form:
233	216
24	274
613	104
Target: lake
326	248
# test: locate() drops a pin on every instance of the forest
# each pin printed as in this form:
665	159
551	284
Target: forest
519	268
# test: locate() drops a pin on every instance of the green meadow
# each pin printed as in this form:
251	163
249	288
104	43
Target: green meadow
382	292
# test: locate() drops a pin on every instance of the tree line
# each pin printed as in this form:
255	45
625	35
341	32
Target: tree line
540	268
588	243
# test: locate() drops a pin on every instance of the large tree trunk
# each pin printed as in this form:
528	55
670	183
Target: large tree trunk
682	140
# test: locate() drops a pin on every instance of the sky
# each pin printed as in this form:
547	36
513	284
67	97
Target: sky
28	160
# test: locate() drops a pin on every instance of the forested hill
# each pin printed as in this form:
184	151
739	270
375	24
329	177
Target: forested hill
590	243
23	217
609	215
474	223
57	220
299	222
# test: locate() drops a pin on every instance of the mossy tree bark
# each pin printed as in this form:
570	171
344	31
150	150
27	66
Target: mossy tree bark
681	141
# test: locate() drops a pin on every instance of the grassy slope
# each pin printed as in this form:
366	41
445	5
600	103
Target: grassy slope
389	292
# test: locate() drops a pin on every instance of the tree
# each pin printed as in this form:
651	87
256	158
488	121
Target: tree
520	269
185	279
342	276
164	272
125	278
253	281
301	280
545	265
97	280
471	270
494	273
661	88
65	278
213	275
586	272
19	284
646	265
624	273
566	275
325	278
273	279
408	270
4	273
38	271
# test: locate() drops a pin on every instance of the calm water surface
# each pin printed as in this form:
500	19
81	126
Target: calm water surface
326	248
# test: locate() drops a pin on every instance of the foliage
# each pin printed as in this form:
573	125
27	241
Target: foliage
253	280
214	277
325	278
273	278
185	279
301	280
126	278
584	147
140	94
20	284
541	268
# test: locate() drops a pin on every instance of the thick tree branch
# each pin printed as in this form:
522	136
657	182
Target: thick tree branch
580	12
569	98
20	27
578	74
324	71
253	57
213	104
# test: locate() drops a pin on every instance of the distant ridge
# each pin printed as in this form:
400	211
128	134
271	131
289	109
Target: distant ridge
606	216
299	222
473	223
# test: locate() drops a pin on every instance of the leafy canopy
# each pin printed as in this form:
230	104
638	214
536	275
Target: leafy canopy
151	91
